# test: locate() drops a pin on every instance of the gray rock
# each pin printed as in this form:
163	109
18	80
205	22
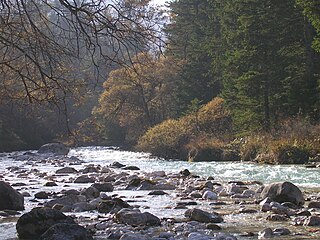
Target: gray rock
281	231
68	200
134	236
84	179
202	216
210	195
64	231
312	221
198	236
66	170
314	204
266	233
134	217
283	192
103	187
54	148
42	195
112	206
224	236
33	224
90	193
10	199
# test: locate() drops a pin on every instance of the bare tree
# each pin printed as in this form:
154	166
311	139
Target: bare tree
52	48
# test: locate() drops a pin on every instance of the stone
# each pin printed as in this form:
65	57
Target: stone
283	192
68	200
133	236
42	195
117	165
312	221
54	148
66	170
198	236
213	226
50	184
224	236
90	193
199	215
84	179
103	187
210	195
33	224
112	206
266	233
134	217
10	199
65	231
314	204
185	173
277	218
281	231
90	169
157	192
133	168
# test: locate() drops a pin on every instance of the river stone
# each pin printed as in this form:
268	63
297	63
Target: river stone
198	236
66	170
199	215
65	231
54	148
266	233
103	187
314	204
210	195
42	195
281	231
283	192
68	200
112	206
84	179
312	221
133	236
10	199
90	193
134	217
33	224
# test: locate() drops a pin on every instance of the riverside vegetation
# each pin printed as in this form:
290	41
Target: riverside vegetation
234	81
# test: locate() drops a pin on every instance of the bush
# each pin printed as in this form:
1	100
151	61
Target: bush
289	154
194	137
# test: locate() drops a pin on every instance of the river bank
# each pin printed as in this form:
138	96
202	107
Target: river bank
232	193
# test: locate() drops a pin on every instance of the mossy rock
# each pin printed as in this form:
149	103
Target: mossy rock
291	155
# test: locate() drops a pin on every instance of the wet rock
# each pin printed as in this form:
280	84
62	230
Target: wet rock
312	221
112	206
134	217
66	170
133	236
131	168
281	231
117	165
277	218
50	184
247	210
314	204
103	187
83	207
224	236
84	179
283	192
303	213
199	215
10	198
185	173
134	183
198	236
213	226
54	148
90	169
42	195
33	224
65	231
166	235
68	200
266	233
195	195
90	193
157	193
210	195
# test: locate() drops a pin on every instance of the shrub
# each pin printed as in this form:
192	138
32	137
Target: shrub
290	154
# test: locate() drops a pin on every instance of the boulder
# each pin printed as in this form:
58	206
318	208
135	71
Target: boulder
54	148
90	193
84	179
312	221
112	206
133	236
33	224
68	200
66	170
283	192
203	216
103	187
65	231
134	217
10	199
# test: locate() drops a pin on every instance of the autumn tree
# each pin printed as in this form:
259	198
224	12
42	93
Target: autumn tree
137	98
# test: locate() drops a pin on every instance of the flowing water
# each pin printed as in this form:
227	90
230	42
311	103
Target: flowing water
305	178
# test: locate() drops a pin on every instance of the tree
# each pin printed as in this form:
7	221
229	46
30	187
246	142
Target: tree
41	42
192	32
266	71
138	98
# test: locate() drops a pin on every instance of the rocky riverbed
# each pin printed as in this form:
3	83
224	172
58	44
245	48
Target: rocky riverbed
120	201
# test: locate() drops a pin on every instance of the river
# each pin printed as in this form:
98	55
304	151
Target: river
307	178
